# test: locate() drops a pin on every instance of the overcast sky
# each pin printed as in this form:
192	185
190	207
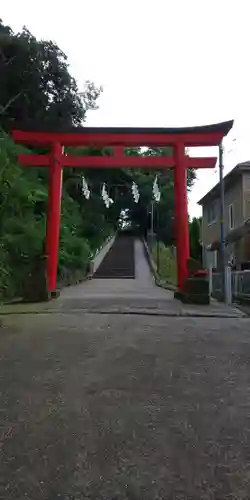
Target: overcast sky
161	62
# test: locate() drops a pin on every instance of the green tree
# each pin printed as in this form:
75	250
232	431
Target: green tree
164	211
195	238
36	84
120	181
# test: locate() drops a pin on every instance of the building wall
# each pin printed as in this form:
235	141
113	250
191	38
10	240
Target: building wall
246	197
246	212
241	205
210	230
234	196
246	245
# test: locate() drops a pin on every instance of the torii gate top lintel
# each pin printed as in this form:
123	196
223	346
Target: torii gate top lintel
207	135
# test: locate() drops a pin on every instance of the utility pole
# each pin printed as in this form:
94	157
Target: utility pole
152	224
222	223
158	241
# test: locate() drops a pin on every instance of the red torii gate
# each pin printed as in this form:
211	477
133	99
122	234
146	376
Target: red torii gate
120	138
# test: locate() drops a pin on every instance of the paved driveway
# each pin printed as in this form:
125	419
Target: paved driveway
97	406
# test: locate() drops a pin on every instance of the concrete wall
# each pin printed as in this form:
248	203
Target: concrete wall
98	258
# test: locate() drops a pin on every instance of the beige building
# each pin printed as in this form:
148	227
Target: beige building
237	219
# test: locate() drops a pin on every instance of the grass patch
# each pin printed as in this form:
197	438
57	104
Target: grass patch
167	264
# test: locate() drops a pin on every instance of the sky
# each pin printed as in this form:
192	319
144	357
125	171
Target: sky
161	63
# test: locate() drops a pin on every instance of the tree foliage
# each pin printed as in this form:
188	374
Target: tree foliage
36	86
163	215
36	83
195	238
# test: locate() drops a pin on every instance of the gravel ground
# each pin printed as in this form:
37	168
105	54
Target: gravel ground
112	407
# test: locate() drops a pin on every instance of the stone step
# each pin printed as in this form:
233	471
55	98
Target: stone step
119	262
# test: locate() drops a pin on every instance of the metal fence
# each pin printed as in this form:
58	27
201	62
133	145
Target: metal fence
240	284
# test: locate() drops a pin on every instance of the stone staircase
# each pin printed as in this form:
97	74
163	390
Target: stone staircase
119	262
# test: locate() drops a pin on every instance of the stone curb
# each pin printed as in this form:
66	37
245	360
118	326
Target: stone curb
127	311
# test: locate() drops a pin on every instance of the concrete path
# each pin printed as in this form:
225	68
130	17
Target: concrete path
135	406
139	295
125	296
142	286
106	407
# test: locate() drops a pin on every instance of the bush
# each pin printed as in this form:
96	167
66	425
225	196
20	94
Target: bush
23	201
167	263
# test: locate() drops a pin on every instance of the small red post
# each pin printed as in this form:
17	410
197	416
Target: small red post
53	214
181	214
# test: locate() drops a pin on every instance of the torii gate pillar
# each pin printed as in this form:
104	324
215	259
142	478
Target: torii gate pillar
54	213
181	213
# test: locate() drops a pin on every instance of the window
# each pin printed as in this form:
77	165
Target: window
212	212
231	216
